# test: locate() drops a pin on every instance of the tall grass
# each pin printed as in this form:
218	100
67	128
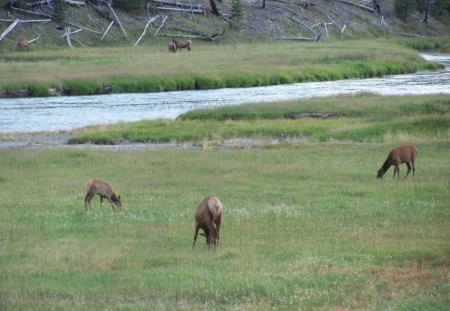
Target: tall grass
306	227
361	118
153	69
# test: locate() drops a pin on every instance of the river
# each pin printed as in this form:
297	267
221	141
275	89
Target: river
69	112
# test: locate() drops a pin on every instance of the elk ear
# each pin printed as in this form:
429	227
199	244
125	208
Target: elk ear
118	196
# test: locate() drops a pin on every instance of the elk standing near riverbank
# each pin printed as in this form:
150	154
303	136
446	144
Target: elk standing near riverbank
104	190
208	216
403	154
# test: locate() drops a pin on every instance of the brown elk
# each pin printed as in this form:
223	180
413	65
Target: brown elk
23	43
172	47
208	216
182	44
403	154
104	191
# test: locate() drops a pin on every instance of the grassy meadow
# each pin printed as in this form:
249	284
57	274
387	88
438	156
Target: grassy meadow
207	66
306	226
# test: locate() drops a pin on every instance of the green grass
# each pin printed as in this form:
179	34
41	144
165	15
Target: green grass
362	118
207	66
305	227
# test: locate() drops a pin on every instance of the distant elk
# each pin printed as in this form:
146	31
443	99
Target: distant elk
182	44
403	154
23	43
172	47
104	191
208	216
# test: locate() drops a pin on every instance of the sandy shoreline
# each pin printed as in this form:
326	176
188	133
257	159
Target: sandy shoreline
51	140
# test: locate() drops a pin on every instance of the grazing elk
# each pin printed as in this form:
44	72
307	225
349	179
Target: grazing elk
172	47
208	216
104	190
182	44
403	154
23	43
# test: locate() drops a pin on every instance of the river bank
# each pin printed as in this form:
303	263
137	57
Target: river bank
150	69
360	118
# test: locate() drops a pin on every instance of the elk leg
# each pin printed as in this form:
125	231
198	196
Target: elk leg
409	169
413	167
218	223
101	201
87	200
112	204
195	235
397	170
212	237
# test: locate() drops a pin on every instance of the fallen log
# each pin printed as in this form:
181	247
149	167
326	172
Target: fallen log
161	26
11	27
205	38
31	12
160	8
115	17
296	38
150	21
357	5
180	4
107	29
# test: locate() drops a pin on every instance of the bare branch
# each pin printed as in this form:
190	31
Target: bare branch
145	29
11	27
162	24
107	29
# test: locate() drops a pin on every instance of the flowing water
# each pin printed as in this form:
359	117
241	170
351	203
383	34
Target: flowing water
70	112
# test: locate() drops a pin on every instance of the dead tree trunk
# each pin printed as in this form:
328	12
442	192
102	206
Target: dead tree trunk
427	11
214	8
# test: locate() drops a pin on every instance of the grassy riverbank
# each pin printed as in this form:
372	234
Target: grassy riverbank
207	66
305	227
360	118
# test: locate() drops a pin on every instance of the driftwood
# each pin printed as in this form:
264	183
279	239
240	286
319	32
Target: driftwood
11	27
115	17
49	2
205	38
67	35
68	32
84	28
35	39
324	26
75	3
31	12
297	38
23	21
197	11
162	24
150	21
181	5
357	5
107	29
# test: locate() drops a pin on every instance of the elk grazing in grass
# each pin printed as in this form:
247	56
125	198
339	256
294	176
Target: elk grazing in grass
182	44
104	190
23	43
172	47
403	154
208	216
